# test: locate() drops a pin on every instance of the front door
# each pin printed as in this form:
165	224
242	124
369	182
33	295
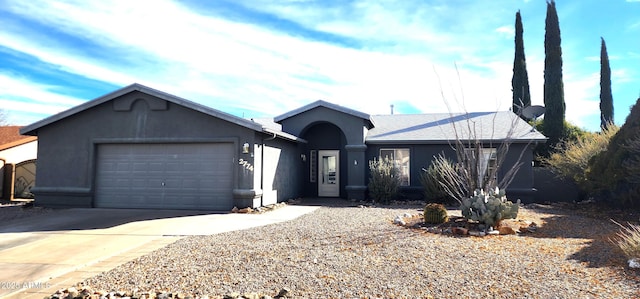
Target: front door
329	173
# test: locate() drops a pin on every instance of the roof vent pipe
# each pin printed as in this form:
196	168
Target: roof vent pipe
391	109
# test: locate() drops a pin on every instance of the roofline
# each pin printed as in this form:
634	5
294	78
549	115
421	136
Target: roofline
33	128
283	135
443	142
22	141
321	103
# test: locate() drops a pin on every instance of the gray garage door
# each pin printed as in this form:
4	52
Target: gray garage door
165	176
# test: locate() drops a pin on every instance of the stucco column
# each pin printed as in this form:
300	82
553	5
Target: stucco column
356	164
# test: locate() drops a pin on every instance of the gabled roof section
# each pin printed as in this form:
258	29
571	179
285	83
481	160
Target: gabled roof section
439	128
321	103
32	129
10	137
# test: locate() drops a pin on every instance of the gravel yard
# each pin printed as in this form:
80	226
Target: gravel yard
345	251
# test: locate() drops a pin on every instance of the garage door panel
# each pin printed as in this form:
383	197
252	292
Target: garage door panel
170	176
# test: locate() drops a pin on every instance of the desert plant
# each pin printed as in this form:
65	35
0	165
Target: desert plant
628	240
632	163
385	180
570	159
433	177
435	213
489	208
472	171
608	174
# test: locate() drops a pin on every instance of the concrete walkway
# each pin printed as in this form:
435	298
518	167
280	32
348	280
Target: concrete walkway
44	253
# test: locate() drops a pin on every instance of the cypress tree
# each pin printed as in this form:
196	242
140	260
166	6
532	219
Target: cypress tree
520	80
606	99
553	87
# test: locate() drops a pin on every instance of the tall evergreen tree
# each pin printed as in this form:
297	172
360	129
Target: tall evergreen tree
606	99
520	80
553	87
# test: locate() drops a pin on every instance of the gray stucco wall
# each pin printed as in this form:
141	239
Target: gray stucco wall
350	142
351	126
282	171
423	154
67	148
323	136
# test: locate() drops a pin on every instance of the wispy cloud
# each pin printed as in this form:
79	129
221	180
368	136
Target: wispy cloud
31	101
261	58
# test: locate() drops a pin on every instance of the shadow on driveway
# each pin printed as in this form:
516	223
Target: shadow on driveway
88	219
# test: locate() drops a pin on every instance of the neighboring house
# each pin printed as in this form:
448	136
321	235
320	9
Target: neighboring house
17	156
142	148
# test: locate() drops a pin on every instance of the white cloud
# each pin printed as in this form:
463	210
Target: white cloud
507	30
408	55
25	101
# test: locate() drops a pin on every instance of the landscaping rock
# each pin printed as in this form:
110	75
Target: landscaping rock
634	263
283	293
245	210
506	230
459	231
477	233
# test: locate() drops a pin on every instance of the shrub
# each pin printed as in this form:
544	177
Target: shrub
489	208
628	240
435	213
571	157
385	180
433	178
570	133
607	171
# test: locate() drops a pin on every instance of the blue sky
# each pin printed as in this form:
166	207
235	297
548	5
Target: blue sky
257	58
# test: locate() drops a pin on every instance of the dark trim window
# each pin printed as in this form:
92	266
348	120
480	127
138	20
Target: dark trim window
488	160
401	158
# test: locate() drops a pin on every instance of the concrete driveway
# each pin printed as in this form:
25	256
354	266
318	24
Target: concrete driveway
43	253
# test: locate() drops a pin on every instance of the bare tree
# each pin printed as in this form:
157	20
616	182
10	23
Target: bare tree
471	145
473	153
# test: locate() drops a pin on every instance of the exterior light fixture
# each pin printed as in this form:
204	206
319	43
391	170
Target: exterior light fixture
245	148
303	157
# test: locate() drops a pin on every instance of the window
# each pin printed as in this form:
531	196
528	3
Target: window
488	161
401	159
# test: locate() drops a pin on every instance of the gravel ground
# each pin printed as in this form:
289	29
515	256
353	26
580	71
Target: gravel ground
341	251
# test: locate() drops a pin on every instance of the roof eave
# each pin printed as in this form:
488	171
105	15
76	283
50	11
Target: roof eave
321	103
283	135
32	129
451	141
18	142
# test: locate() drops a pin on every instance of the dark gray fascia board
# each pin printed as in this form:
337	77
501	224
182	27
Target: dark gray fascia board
33	128
321	103
448	142
283	135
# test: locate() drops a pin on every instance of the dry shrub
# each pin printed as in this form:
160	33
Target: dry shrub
628	239
571	158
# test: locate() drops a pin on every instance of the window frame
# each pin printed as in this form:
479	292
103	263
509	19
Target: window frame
405	178
490	163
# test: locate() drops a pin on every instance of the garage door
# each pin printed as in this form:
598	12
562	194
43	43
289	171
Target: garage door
165	176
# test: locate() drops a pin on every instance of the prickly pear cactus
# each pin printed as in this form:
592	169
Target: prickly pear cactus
489	208
435	213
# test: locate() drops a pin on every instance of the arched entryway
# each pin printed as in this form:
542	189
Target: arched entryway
326	171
